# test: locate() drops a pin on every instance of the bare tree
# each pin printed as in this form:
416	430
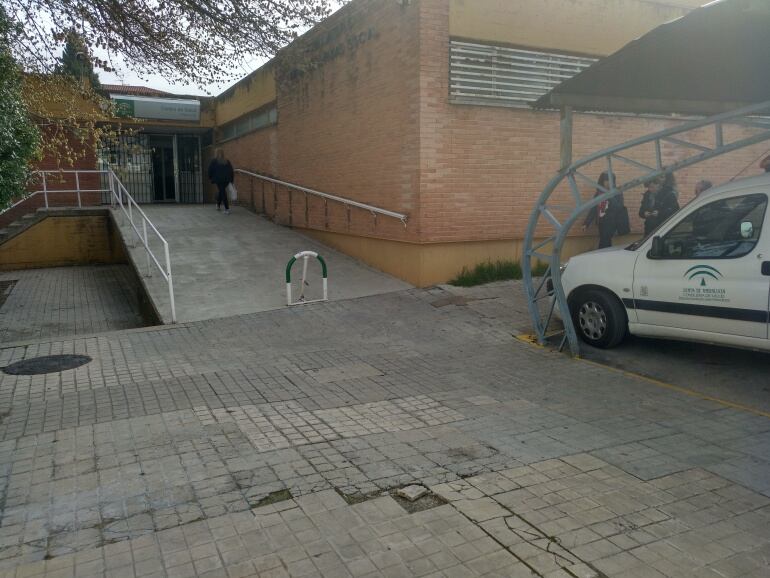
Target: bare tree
190	40
195	41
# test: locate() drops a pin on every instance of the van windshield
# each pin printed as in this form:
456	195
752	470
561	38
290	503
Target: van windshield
636	244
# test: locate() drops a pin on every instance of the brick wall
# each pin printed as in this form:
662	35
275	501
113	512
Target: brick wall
349	126
482	168
53	162
373	122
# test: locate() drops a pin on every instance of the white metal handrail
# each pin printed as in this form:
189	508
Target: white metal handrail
119	196
45	191
122	198
347	202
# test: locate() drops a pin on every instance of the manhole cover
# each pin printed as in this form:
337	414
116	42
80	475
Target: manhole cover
46	364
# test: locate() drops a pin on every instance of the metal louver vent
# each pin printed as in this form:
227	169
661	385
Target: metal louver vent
501	76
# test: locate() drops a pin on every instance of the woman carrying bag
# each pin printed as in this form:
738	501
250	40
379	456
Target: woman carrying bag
221	174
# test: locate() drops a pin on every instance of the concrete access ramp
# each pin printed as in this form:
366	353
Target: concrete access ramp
225	265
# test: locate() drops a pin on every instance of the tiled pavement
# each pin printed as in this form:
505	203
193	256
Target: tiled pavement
64	301
160	457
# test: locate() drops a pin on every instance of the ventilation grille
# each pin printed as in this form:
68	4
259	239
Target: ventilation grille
501	76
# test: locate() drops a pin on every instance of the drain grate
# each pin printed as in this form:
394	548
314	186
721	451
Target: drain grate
46	364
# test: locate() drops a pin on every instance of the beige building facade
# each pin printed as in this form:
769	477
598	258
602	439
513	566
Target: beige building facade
422	107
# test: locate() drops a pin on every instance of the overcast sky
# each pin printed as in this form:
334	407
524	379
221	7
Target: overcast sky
123	75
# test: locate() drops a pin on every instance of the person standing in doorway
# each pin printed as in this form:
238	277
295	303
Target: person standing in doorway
221	174
611	216
659	202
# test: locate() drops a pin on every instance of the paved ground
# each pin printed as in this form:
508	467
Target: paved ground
734	375
63	301
226	265
267	444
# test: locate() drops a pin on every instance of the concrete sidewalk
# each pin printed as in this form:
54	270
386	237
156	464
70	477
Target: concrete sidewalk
233	264
272	444
62	301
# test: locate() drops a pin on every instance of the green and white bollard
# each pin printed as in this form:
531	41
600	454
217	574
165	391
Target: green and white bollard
305	256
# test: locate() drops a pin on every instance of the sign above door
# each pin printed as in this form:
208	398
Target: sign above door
156	108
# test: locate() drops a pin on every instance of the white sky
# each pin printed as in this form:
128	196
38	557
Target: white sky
123	74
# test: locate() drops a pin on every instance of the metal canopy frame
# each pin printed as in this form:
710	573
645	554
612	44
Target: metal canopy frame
543	218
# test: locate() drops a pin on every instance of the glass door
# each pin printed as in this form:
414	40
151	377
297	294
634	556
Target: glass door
189	163
163	168
131	159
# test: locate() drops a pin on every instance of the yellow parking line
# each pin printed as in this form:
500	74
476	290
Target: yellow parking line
529	340
532	340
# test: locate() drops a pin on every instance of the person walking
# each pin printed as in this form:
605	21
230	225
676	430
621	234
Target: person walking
611	216
221	174
659	202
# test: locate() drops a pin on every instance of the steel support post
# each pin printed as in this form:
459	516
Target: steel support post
552	231
77	188
565	130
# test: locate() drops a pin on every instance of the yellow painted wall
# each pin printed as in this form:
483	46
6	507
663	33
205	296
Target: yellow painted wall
51	97
56	98
429	264
63	240
598	27
254	91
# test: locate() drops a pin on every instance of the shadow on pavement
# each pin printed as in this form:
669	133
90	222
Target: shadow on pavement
735	375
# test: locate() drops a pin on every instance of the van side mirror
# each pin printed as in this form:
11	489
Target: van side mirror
656	251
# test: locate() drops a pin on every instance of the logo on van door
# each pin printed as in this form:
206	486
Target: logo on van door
703	272
703	276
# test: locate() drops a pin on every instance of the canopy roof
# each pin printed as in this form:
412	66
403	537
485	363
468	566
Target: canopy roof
715	58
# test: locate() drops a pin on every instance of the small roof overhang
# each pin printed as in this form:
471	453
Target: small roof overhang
714	59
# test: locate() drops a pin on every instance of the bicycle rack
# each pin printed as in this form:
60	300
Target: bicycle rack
305	256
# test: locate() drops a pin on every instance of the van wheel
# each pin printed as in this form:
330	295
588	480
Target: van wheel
599	318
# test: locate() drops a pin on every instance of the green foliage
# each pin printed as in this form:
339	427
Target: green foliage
76	62
498	271
19	137
487	272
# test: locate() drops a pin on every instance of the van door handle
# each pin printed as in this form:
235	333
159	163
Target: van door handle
766	268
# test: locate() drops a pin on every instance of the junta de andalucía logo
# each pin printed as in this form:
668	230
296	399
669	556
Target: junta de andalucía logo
703	272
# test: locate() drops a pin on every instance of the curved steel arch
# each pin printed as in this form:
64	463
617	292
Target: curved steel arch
543	213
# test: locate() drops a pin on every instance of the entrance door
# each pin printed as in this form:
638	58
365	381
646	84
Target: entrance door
189	162
711	274
163	168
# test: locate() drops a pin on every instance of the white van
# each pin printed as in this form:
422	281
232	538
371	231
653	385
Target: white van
703	275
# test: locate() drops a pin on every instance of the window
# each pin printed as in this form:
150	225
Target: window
723	229
249	122
502	76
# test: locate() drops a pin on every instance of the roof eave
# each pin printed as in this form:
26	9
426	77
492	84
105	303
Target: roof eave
640	105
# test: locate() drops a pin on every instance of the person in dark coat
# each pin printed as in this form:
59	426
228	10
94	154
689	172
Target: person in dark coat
611	217
659	202
221	174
